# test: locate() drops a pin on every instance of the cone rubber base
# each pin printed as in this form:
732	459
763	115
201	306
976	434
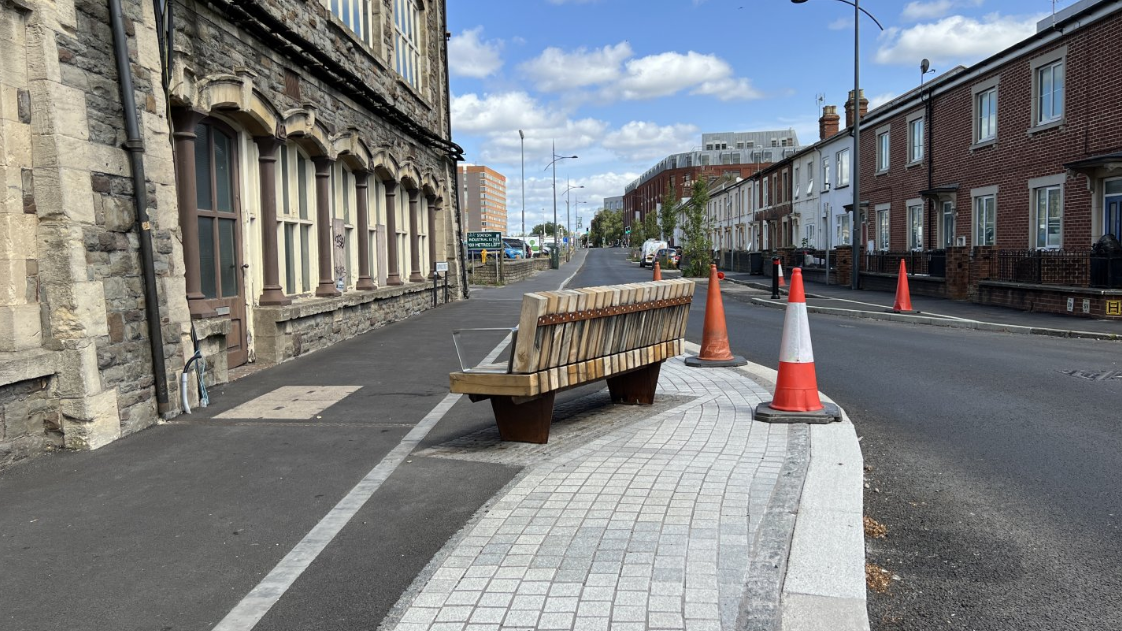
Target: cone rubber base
829	413
693	361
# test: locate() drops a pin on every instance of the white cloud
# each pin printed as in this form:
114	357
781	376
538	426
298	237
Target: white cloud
668	73
880	99
916	11
557	71
500	112
469	56
640	140
840	24
954	38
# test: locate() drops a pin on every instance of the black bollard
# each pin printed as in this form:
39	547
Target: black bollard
775	278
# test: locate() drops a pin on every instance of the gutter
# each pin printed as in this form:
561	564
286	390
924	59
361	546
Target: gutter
135	147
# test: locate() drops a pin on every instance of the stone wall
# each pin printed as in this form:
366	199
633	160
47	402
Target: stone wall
513	271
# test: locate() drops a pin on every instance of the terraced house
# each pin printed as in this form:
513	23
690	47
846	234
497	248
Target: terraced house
252	179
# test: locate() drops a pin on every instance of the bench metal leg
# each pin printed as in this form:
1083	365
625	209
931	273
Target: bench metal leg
524	422
636	387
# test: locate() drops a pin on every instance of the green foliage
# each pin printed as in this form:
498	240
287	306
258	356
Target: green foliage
668	214
650	226
606	228
697	248
638	235
547	228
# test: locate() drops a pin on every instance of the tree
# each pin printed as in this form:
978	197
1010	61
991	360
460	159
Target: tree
607	227
697	249
547	229
650	225
668	214
638	236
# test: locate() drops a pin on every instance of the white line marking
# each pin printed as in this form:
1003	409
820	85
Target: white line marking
247	613
571	276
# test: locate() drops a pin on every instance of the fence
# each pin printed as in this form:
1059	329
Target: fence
919	262
1073	268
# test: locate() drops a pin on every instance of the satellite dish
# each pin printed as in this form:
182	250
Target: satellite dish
924	65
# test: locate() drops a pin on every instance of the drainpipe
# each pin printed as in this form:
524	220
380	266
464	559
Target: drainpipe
135	146
455	168
930	149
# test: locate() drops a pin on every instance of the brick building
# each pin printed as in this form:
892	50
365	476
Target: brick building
482	198
1001	176
295	171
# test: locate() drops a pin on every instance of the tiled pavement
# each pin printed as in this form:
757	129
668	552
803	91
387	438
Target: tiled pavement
651	525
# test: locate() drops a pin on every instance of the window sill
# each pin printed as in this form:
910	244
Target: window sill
982	144
1042	127
841	186
880	173
914	164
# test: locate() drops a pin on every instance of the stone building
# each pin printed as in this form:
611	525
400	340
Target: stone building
296	174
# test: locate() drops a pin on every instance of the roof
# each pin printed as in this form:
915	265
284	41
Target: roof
1104	160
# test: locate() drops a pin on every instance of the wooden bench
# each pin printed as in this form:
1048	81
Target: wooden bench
569	338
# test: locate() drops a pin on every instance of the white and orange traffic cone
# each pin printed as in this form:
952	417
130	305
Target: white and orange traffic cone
903	303
796	387
782	283
715	351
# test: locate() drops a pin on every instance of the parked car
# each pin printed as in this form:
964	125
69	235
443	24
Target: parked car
514	248
650	251
670	255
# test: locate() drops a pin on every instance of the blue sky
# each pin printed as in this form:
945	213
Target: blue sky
623	83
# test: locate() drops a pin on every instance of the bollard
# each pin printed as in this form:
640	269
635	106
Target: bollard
775	278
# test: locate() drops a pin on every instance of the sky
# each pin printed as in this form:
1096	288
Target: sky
621	84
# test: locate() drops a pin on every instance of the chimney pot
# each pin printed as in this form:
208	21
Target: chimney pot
863	107
828	123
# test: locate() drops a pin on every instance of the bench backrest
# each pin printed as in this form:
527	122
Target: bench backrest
557	328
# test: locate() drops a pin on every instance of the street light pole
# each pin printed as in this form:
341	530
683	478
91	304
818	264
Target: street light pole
568	223
553	163
855	160
522	141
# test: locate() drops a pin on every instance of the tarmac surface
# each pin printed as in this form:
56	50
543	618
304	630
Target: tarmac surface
348	490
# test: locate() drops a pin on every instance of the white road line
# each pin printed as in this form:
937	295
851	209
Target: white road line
571	276
247	613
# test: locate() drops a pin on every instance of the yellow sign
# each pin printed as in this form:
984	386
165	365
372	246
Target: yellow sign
1114	307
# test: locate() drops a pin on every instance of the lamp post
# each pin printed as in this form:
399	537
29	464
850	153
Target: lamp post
568	222
855	161
553	163
579	222
522	141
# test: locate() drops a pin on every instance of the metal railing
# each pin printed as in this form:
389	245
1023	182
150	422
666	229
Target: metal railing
918	262
1071	268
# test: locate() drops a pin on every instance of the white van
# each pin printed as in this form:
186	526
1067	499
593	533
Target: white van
650	252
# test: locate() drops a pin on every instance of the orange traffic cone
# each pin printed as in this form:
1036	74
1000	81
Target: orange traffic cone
903	296
715	350
657	271
782	283
796	388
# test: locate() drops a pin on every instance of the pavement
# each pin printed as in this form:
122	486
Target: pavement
932	311
348	489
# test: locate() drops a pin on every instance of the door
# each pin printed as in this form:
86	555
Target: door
220	238
1112	208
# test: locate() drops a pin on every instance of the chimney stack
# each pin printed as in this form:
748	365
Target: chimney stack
863	107
828	124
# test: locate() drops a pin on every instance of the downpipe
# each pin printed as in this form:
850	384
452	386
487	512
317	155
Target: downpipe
134	145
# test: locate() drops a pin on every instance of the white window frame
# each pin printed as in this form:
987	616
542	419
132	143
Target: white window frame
826	173
915	223
343	206
983	217
843	232
843	162
301	278
809	177
884	149
1049	62
357	16
408	23
915	138
947	211
984	124
797	186
1038	191
884	226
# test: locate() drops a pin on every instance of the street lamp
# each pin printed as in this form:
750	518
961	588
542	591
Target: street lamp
553	163
580	224
522	140
568	222
855	160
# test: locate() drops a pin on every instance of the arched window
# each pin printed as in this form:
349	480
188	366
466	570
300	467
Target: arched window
296	219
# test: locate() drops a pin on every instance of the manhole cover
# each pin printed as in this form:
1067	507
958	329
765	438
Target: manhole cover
1094	375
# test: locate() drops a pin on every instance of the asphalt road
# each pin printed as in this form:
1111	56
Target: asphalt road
996	474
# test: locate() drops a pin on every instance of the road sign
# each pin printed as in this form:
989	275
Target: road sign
484	240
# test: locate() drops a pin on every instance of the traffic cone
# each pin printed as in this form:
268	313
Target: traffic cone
715	352
657	271
796	387
903	296
782	283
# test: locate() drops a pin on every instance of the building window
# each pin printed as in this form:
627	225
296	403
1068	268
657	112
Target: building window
797	185
843	167
948	224
810	240
882	229
216	183
882	151
826	174
843	230
810	177
407	41
915	226
985	219
356	15
1050	92
915	140
343	212
985	115
1049	211
294	219
767	191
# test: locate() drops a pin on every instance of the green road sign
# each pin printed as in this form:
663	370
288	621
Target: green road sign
484	240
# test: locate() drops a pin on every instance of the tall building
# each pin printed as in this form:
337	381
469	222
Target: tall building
613	203
482	198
